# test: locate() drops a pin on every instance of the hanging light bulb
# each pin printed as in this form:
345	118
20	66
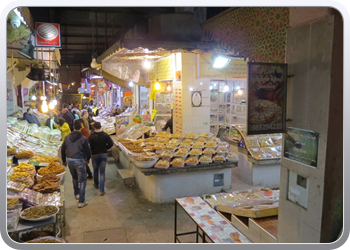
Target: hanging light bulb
33	97
43	98
54	101
51	105
131	84
226	88
157	85
240	92
93	63
147	64
168	88
44	107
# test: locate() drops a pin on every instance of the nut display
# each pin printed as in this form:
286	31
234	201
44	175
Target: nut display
162	164
210	144
11	151
11	202
178	161
195	151
191	136
192	160
45	158
48	177
181	152
46	187
222	150
219	158
209	151
201	139
38	212
205	158
52	168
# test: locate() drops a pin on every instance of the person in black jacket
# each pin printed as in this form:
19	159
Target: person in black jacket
169	123
100	142
76	151
68	117
51	121
30	117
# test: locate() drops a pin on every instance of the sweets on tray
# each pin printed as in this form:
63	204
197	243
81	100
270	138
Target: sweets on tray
45	158
25	154
162	163
198	144
195	151
174	142
219	157
12	202
205	158
11	151
164	134
232	156
192	160
210	144
209	151
201	139
178	161
166	154
191	136
177	135
205	135
222	150
181	152
52	168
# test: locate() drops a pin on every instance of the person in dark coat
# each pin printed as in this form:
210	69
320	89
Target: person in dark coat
76	152
85	132
30	117
68	117
51	122
100	142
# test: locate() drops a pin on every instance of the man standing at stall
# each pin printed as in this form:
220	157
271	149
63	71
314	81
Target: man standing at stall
30	117
76	151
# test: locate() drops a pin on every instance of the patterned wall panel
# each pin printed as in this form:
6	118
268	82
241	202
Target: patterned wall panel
257	33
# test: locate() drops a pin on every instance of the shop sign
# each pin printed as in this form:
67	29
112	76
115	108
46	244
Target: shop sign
47	35
237	68
301	146
267	86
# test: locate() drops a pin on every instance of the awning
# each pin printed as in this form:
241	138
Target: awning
114	79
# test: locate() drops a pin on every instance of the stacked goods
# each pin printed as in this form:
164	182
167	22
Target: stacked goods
24	173
11	151
25	167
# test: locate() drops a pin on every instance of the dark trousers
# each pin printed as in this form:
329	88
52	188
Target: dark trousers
88	170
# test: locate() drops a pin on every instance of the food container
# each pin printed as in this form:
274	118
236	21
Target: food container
219	158
209	151
53	211
195	152
191	136
205	159
192	161
61	175
210	144
162	163
222	150
232	157
177	162
146	163
206	135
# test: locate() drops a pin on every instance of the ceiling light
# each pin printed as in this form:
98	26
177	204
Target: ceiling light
220	61
96	77
168	88
51	105
43	98
73	83
226	88
131	84
18	13
33	97
44	107
147	64
54	101
240	92
211	87
191	89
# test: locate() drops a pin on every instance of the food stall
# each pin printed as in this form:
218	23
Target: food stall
35	193
259	156
166	166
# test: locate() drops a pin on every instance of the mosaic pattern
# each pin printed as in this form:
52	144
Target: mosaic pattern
216	227
258	34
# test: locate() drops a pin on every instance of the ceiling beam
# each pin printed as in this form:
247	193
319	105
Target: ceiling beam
89	25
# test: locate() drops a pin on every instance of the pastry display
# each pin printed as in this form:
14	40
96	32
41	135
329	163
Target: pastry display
166	154
25	167
222	150
46	187
174	142
209	151
205	135
177	135
162	163
185	146
15	186
195	151
219	157
210	144
188	141
214	139
170	147
223	144
201	139
178	161
181	152
198	144
232	157
12	202
48	177
192	160
164	134
265	141
191	136
47	239
205	159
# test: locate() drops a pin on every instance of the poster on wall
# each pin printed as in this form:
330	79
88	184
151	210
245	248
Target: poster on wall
196	98
267	86
301	145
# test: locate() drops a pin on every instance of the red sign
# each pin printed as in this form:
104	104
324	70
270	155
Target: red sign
47	35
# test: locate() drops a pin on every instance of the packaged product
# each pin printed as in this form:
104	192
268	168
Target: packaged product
222	150
210	144
209	151
178	161
205	159
195	151
191	136
162	163
182	152
192	160
219	158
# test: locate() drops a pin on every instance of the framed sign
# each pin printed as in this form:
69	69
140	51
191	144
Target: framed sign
47	35
301	145
267	86
196	98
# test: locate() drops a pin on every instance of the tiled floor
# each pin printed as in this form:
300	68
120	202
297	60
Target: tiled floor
123	214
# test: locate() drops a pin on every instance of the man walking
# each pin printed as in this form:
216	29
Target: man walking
76	151
100	142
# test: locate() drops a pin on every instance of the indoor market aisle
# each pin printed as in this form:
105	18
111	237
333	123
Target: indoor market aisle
123	214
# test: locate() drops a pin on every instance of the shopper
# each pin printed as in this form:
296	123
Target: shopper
68	117
76	116
76	151
91	122
76	109
30	117
100	142
114	112
51	121
94	110
169	123
64	127
85	117
85	133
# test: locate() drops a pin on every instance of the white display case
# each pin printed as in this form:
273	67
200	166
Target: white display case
144	100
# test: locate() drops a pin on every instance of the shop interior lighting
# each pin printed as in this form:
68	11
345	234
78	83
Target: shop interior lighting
191	89
211	87
220	61
51	105
157	85
131	84
73	83
50	87
239	92
84	97
168	88
93	63
226	88
33	97
44	107
200	83
54	101
43	98
96	77
93	85
147	64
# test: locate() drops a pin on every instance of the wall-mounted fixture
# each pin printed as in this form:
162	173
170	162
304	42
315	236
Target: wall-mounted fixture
220	61
28	50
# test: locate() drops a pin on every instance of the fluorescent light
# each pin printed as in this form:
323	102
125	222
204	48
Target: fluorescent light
33	98
226	88
93	85
96	77
131	84
220	62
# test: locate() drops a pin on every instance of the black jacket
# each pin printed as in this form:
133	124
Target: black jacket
169	124
47	123
31	118
69	119
100	142
75	146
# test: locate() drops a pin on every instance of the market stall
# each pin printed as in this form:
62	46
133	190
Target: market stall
259	156
35	193
167	165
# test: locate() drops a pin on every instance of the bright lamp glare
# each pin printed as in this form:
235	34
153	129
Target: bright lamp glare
44	107
54	102
211	87
220	62
168	88
157	86
239	92
33	98
225	88
131	84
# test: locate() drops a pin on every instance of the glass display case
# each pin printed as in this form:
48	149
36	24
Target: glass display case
144	100
163	103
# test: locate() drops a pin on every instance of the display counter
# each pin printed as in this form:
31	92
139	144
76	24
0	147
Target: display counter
169	166
259	157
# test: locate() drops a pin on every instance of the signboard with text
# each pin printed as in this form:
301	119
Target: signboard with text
301	146
267	86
